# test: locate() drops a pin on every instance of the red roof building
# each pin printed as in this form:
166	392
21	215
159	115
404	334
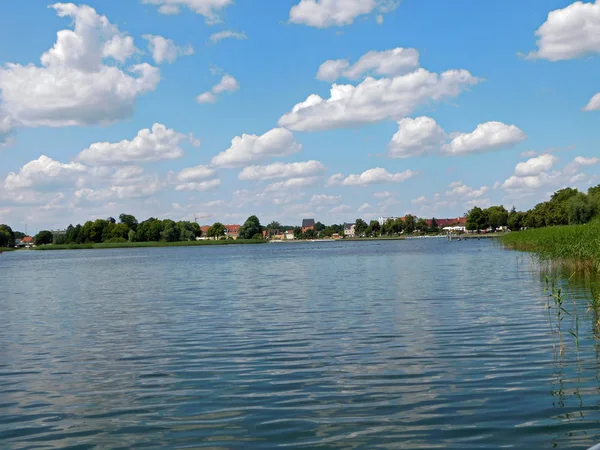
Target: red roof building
27	240
232	231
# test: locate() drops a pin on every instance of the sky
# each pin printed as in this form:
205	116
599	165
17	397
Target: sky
292	109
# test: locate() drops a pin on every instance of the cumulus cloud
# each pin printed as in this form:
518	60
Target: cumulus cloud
74	86
341	209
324	199
165	50
227	84
583	161
462	190
282	170
7	125
328	13
384	194
391	63
364	207
44	171
536	165
250	147
208	8
215	38
569	32
149	145
416	137
199	186
291	183
195	173
377	175
486	137
419	201
374	100
593	104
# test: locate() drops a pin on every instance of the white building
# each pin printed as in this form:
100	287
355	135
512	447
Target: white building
289	235
383	220
349	230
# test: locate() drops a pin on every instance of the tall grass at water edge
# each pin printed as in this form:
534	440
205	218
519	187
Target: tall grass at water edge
574	247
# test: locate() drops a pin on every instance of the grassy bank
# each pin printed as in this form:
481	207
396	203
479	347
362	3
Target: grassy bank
146	244
575	246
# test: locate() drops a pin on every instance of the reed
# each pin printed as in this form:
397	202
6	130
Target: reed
574	247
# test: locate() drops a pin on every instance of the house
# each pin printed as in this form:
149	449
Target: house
383	220
443	223
204	230
349	230
336	236
232	231
27	240
289	235
308	224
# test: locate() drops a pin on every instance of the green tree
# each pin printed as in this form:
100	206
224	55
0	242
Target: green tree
250	228
327	232
319	226
497	216
97	230
297	232
119	231
579	209
129	220
516	220
85	233
217	230
374	229
44	237
360	227
274	226
422	225
131	236
410	223
476	219
7	236
187	230
170	231
434	227
309	234
19	234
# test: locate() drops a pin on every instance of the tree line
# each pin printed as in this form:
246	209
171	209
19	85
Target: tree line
566	206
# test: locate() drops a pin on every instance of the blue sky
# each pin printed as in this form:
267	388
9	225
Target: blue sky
437	106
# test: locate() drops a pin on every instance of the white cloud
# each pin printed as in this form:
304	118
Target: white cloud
462	190
371	176
364	207
149	145
570	32
324	199
536	165
328	13
7	125
391	63
340	209
291	183
227	84
529	154
250	147
195	173
207	8
375	100
416	137
141	187
227	34
127	173
199	186
384	194
165	50
419	201
583	161
486	137
74	86
283	170
593	104
44	171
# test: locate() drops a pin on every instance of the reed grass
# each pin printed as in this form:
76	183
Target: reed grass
574	247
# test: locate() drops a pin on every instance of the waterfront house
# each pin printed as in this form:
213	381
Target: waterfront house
27	240
232	231
349	230
289	235
308	224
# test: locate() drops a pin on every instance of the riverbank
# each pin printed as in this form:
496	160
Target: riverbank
108	245
574	246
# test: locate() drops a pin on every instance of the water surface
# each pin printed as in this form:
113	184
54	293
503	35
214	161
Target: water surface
391	344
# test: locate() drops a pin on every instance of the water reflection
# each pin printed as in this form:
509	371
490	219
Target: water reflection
416	344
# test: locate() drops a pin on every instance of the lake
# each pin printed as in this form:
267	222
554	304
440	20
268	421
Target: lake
383	344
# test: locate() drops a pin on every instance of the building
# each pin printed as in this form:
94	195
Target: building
349	230
443	223
289	235
383	220
308	224
232	231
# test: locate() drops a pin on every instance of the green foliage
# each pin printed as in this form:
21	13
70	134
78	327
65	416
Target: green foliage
360	227
217	230
19	235
7	236
497	216
476	219
434	228
579	209
319	226
410	223
44	237
250	228
309	234
298	232
129	220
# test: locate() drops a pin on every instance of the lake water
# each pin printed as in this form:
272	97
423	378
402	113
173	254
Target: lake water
392	345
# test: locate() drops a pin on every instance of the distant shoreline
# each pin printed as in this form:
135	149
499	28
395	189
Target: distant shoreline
113	245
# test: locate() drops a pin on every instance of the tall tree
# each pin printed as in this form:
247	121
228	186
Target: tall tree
44	237
129	220
360	227
216	231
250	228
410	223
7	236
